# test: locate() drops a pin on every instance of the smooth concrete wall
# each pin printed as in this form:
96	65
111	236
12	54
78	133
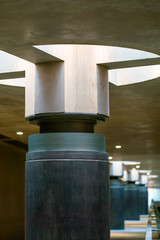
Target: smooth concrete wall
12	192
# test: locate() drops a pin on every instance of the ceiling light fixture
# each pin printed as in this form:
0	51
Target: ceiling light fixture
118	146
110	157
19	133
137	166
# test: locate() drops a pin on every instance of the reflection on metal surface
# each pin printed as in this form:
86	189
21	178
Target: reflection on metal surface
133	230
136	224
127	235
145	228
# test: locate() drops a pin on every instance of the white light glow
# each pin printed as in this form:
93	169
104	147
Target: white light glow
18	82
137	166
145	171
137	182
153	176
110	157
118	146
19	133
130	163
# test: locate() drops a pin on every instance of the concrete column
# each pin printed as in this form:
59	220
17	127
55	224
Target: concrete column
143	194
116	196
131	196
67	172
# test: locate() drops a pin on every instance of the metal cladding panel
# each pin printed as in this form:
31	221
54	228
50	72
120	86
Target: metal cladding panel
66	142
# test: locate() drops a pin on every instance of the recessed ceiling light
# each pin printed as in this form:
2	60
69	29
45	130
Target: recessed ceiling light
110	157
19	133
133	169
148	173
137	166
118	146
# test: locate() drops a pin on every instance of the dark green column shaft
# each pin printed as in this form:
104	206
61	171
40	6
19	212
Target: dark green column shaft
131	201
143	200
116	203
67	187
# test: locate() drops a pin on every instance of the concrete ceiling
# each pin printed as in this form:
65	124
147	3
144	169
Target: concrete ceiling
133	24
134	123
135	109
